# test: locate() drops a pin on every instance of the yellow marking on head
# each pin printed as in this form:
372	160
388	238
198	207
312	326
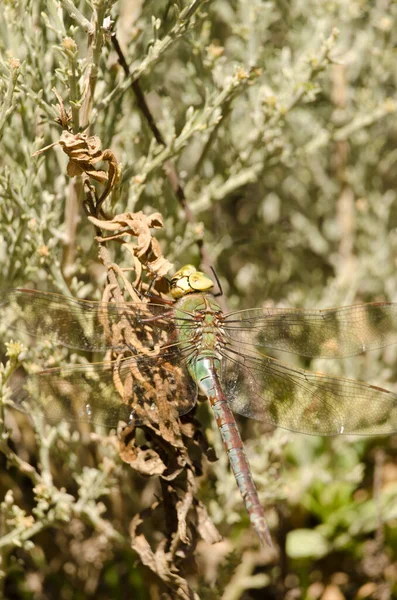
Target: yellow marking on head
188	280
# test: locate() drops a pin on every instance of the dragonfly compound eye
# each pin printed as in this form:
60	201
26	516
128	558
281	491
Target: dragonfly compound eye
200	282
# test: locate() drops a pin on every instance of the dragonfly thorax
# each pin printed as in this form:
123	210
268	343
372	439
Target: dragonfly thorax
199	319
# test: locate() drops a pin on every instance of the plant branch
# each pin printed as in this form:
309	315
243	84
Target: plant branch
184	24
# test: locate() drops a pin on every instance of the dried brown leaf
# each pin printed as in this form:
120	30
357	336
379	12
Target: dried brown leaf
182	509
205	526
84	151
147	248
145	462
163	565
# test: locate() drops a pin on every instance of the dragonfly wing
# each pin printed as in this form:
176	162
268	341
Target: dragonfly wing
268	390
133	390
330	333
86	325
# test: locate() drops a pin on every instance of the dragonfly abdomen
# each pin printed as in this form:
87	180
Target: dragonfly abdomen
206	369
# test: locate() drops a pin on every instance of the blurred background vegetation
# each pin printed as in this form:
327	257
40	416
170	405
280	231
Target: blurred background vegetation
272	157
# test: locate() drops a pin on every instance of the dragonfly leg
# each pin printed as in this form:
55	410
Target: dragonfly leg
164	315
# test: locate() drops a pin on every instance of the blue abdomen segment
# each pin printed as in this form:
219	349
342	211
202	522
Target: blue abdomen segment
202	370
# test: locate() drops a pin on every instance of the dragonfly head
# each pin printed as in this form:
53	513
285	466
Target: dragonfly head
188	280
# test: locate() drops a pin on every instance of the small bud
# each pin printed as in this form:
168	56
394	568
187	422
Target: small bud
43	251
69	44
15	63
241	74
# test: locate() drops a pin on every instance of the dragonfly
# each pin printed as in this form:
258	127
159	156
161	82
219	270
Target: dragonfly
163	353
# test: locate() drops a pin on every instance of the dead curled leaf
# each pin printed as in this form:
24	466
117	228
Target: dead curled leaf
182	508
174	466
145	462
84	151
160	562
137	225
205	526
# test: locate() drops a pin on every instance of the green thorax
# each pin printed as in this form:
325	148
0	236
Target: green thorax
198	318
200	313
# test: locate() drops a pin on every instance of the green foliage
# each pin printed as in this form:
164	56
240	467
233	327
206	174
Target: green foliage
278	123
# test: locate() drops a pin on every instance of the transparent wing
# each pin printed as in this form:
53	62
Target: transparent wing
87	325
268	390
331	333
135	389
